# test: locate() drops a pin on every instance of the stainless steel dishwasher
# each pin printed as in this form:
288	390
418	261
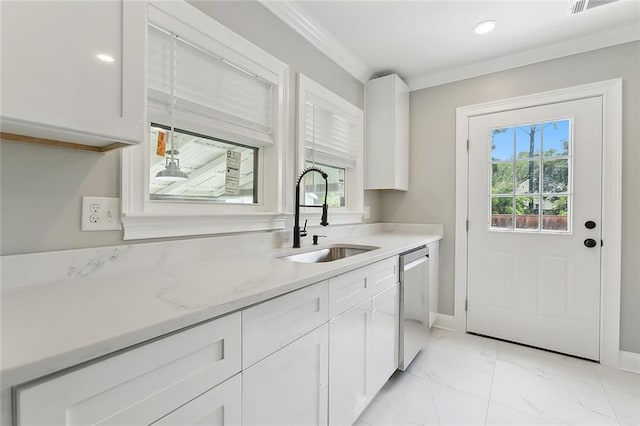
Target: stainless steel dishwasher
414	304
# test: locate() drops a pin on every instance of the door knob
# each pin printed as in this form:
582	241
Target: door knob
590	242
589	224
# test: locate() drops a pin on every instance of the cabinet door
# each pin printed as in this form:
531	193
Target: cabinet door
348	347
383	350
289	387
54	85
220	406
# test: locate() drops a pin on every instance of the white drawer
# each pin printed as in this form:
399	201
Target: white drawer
272	325
138	386
383	274
348	290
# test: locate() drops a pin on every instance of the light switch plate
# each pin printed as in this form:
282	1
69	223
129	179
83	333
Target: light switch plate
100	214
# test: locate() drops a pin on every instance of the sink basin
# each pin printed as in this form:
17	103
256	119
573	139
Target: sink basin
328	254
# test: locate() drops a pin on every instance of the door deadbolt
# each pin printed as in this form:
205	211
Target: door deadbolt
590	243
589	224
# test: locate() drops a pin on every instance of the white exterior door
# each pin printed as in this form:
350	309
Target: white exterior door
534	232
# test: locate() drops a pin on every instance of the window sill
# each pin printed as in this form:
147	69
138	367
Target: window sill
161	226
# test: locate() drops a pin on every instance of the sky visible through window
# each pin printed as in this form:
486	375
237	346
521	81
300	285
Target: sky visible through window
553	138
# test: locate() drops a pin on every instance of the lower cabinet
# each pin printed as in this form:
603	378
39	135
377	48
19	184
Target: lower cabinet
289	387
382	359
220	406
287	361
362	355
348	349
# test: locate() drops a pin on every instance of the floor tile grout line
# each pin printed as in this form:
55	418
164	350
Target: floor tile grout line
493	375
444	385
604	389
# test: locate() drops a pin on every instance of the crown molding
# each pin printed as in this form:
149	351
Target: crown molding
601	40
296	18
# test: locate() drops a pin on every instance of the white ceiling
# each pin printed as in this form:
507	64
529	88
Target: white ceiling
431	42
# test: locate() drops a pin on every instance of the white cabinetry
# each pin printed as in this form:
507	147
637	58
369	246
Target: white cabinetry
382	359
53	84
289	387
348	349
362	340
387	134
220	406
139	386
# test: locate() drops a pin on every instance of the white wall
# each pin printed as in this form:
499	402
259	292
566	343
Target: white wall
41	186
431	198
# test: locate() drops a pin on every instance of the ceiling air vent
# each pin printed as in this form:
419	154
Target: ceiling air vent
577	6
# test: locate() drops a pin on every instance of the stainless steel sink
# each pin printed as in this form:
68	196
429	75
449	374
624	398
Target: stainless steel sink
328	254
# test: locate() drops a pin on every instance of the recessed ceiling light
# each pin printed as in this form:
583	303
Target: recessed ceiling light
484	27
105	58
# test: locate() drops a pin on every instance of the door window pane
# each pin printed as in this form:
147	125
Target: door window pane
528	177
528	140
556	138
502	144
502	178
527	212
502	212
554	213
555	176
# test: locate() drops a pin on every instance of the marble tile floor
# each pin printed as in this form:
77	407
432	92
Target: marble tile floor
462	379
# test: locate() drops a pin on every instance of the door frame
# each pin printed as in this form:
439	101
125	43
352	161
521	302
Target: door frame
610	263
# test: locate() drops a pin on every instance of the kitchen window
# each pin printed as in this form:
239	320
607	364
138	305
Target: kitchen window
330	137
216	131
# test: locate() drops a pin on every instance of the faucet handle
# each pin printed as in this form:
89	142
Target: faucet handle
303	232
315	239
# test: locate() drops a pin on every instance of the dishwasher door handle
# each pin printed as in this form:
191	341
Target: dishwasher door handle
415	263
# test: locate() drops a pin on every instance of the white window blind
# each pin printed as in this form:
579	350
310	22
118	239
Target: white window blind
209	93
330	134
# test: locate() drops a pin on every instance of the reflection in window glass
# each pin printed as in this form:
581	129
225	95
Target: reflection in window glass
200	168
314	186
521	157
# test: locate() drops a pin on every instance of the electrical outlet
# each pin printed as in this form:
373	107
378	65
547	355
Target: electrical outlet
100	214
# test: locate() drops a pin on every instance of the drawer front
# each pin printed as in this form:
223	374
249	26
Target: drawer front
384	274
221	405
348	290
272	325
138	386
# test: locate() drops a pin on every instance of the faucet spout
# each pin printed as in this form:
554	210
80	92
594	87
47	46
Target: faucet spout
325	208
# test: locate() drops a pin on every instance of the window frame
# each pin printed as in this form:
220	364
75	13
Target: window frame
541	194
143	218
354	177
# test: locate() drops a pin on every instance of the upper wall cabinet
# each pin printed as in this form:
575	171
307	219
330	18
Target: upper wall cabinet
73	72
387	134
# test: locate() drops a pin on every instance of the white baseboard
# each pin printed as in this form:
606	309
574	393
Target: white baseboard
629	361
446	322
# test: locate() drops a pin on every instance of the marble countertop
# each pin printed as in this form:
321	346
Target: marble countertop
125	295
